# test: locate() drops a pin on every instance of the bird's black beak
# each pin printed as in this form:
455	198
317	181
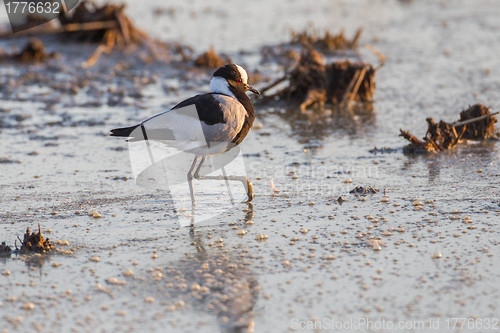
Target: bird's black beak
252	89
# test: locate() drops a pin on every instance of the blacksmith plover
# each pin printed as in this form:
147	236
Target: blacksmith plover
225	114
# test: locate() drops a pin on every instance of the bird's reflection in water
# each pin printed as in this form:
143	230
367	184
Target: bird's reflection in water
217	281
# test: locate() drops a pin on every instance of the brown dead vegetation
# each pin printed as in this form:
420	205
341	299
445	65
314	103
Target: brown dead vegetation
476	123
108	23
210	59
88	22
482	129
312	82
328	42
34	51
35	242
5	250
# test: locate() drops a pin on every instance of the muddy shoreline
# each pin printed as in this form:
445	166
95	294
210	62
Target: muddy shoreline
424	246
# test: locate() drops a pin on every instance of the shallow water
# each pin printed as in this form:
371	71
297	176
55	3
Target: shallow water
441	57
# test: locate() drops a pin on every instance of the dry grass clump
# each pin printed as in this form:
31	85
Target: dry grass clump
312	82
35	242
327	42
210	59
476	123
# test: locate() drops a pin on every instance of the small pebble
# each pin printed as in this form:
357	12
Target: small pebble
28	306
128	272
95	214
437	255
115	281
262	237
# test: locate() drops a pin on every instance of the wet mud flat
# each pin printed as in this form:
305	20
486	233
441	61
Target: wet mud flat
425	245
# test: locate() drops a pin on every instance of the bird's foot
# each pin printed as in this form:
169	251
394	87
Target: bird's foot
249	188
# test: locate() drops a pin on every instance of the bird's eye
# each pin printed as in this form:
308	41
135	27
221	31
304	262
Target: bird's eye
238	81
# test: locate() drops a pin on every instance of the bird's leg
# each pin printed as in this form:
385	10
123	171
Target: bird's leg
227	185
244	180
190	180
197	172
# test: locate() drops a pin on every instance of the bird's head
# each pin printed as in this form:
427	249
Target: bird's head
231	80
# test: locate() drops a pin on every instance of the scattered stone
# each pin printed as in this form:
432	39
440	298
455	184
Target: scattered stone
262	237
115	281
375	244
95	214
340	200
437	255
360	190
28	306
128	273
5	160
